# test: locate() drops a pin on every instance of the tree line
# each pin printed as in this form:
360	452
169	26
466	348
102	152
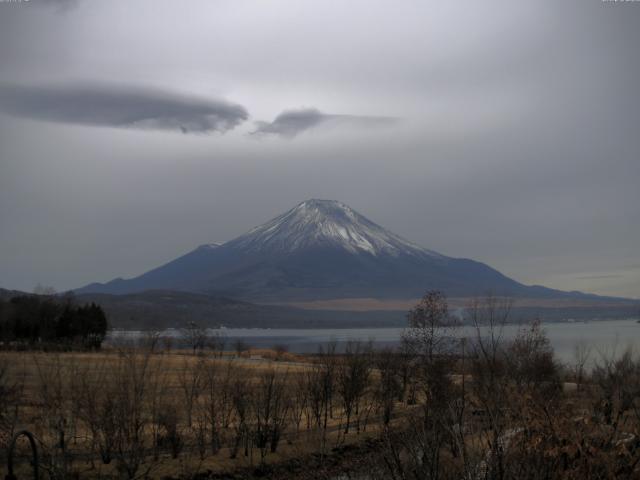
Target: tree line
41	321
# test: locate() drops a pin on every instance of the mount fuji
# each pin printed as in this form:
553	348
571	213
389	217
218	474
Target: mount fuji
322	250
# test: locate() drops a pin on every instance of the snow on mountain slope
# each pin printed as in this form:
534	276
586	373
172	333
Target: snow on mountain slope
325	223
321	249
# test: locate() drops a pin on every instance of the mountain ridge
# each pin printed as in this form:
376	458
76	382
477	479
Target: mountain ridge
322	249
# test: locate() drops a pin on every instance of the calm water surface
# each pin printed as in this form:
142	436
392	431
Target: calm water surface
604	337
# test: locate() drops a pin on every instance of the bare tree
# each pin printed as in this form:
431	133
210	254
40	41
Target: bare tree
240	346
190	380
321	381
280	350
270	410
489	369
11	394
215	388
618	380
300	400
389	387
167	343
226	393
132	390
353	372
57	415
581	355
195	336
240	396
171	437
430	326
150	341
216	343
530	361
94	407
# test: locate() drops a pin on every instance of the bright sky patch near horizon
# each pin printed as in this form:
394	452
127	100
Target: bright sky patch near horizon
132	131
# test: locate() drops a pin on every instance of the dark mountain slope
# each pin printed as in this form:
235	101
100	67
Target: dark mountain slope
323	249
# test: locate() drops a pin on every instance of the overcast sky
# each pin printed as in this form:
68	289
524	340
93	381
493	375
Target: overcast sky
507	132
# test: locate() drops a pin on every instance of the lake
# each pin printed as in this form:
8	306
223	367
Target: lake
604	337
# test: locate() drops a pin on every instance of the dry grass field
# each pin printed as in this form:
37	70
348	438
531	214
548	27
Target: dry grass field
131	413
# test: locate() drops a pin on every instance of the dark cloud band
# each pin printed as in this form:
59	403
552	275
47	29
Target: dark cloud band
290	123
122	107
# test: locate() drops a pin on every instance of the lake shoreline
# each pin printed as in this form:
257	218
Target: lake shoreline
602	336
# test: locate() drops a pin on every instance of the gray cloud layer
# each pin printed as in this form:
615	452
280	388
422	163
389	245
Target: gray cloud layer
59	3
290	123
518	144
122	107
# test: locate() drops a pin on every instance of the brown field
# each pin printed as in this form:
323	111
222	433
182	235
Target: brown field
59	391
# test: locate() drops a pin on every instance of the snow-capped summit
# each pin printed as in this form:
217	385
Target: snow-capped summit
321	224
